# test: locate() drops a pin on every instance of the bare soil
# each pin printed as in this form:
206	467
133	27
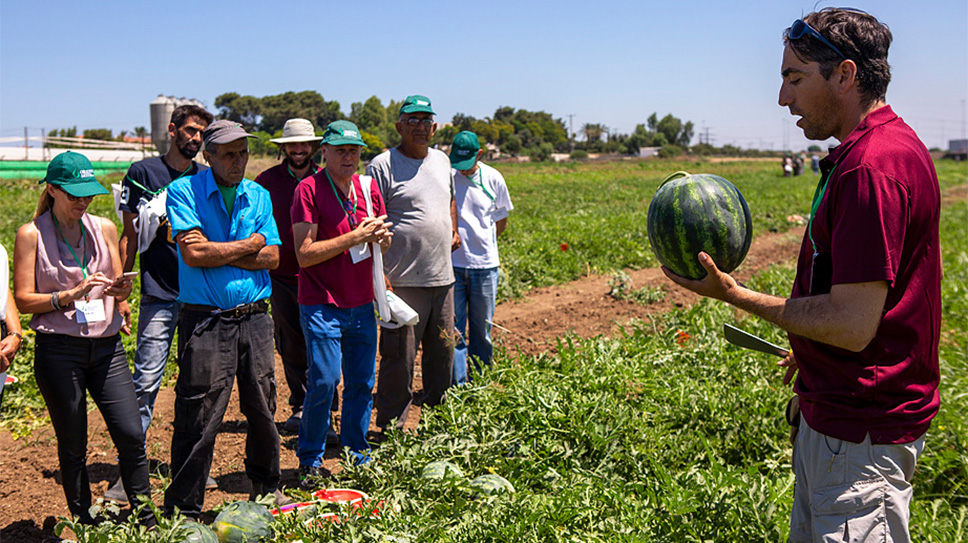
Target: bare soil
31	496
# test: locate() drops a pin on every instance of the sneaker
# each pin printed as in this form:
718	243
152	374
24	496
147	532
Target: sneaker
278	498
211	484
291	426
309	477
115	493
332	437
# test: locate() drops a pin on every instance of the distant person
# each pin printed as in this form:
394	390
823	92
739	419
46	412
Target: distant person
298	144
483	206
815	164
11	336
338	221
864	316
417	188
67	273
787	165
227	240
146	232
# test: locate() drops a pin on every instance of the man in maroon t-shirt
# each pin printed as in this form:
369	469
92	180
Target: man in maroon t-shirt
338	221
864	317
298	144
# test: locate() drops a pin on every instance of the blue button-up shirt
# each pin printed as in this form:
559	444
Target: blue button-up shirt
195	202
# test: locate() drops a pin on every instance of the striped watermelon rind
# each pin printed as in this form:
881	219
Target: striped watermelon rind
243	521
700	212
441	469
491	483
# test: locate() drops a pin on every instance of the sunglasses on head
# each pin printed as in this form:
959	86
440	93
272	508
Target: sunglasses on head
799	28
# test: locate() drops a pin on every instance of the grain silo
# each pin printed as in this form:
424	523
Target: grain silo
161	109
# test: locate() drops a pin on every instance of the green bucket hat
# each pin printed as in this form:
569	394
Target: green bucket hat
74	174
463	152
416	104
342	133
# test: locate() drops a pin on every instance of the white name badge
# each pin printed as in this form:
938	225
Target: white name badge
89	311
360	252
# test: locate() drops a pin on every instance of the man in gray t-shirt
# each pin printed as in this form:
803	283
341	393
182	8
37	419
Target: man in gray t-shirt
418	191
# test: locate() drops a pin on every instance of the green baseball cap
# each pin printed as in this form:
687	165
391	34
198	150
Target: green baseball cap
416	104
463	152
74	174
342	133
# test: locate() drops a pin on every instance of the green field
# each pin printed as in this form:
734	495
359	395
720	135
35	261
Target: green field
634	438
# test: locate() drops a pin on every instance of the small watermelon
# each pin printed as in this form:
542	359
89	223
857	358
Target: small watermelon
693	213
199	533
441	469
242	521
490	483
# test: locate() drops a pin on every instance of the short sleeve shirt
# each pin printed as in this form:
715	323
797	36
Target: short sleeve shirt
159	262
877	221
482	200
417	195
281	186
337	281
195	202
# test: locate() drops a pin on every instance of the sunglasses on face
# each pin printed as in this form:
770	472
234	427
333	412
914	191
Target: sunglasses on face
415	121
73	198
799	28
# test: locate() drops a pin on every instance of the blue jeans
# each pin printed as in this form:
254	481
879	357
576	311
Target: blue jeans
475	293
337	338
156	329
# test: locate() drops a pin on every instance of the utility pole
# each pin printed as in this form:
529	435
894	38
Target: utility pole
571	132
26	149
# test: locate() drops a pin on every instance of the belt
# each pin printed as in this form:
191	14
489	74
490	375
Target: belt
260	306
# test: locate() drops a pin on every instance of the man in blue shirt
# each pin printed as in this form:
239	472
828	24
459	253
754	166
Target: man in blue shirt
227	240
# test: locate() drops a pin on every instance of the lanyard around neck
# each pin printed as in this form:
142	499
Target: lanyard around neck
817	198
351	196
82	265
480	182
314	171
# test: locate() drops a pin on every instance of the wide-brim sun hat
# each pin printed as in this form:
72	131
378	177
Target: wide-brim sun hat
343	133
74	174
296	131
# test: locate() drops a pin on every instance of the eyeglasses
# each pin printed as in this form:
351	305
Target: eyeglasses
799	28
414	121
349	207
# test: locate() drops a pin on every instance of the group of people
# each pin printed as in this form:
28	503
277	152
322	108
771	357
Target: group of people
217	251
863	317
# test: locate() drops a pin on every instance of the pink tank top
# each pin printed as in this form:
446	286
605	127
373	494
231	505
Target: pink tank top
57	270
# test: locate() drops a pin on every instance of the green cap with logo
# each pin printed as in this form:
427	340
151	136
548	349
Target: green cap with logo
74	174
416	104
342	133
463	152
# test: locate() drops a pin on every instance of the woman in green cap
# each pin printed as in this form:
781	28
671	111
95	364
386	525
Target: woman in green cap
67	273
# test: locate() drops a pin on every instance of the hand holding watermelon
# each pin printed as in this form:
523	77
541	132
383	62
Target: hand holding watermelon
715	284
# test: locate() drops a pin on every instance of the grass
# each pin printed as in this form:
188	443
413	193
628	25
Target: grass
649	436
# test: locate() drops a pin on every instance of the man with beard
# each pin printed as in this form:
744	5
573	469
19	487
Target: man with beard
298	144
227	240
159	311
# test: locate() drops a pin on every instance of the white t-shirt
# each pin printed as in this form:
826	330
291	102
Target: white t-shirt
482	201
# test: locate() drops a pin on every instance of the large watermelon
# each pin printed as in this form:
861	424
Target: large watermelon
241	522
702	212
199	533
490	483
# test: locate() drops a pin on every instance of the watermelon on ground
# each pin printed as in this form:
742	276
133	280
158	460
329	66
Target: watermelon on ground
441	469
702	212
243	521
491	483
199	533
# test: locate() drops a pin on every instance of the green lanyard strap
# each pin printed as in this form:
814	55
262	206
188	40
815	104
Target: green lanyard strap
817	198
154	193
352	195
289	169
480	183
83	265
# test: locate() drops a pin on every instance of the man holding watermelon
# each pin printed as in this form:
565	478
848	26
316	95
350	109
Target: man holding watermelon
864	316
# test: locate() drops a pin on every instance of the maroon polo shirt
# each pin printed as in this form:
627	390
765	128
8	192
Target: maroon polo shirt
337	281
877	221
281	186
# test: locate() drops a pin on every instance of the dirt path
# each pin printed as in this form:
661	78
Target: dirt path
31	496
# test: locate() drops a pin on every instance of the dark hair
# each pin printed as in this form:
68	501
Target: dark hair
860	36
182	113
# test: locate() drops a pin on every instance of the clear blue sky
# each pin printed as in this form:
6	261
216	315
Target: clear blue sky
99	64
